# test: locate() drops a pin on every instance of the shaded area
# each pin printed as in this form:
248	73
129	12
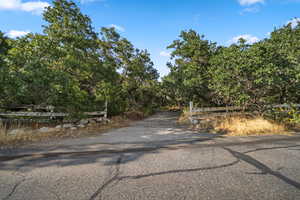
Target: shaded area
67	157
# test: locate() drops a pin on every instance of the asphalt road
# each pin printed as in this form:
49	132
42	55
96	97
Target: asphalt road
154	159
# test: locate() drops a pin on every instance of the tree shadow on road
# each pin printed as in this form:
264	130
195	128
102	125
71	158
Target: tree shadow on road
70	156
79	155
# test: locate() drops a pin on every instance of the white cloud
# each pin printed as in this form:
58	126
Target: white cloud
294	22
16	33
250	2
9	4
250	10
119	28
249	38
164	54
35	7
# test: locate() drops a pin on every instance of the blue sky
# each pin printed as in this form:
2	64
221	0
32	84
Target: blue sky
154	24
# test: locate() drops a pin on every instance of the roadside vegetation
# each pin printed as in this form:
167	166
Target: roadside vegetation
237	124
244	126
76	69
253	76
19	134
248	75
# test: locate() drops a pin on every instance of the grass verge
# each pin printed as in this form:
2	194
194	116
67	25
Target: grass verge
237	125
246	126
30	135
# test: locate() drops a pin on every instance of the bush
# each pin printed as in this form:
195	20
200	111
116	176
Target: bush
134	115
289	116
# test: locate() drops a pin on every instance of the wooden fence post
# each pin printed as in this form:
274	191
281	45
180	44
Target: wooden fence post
191	106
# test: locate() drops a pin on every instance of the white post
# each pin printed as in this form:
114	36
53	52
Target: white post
105	115
191	106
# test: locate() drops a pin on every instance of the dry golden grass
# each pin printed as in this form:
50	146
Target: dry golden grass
2	130
184	118
246	126
134	115
31	135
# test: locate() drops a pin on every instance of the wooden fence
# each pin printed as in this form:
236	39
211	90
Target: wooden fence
214	109
48	112
221	111
232	108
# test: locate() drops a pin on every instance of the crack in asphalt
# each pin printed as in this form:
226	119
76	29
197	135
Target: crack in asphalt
109	181
24	178
270	148
262	167
49	191
180	171
14	189
116	178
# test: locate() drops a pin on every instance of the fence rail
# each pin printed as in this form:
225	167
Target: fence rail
197	114
32	108
233	108
32	114
48	112
217	109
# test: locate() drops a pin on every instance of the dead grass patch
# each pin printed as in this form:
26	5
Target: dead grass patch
236	124
246	126
134	115
184	118
32	135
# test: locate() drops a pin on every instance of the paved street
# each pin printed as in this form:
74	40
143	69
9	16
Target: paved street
154	159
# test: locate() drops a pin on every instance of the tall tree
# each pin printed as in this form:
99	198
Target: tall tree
74	50
255	75
191	55
4	47
138	77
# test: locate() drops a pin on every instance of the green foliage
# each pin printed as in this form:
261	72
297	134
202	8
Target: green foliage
258	74
138	77
189	77
289	115
264	73
5	45
75	70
